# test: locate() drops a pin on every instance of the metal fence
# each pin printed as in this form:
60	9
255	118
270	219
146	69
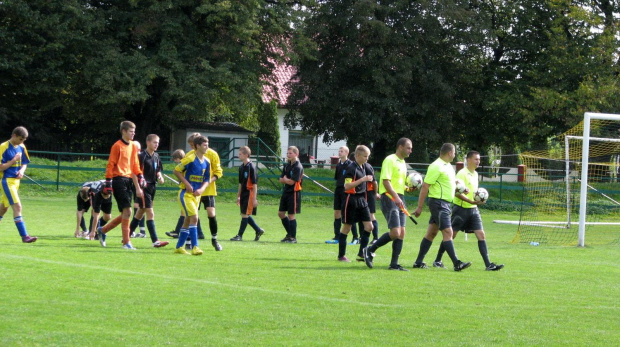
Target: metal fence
58	170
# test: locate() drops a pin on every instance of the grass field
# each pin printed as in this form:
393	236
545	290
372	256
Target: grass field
66	291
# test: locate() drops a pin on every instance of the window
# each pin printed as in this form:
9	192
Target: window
304	142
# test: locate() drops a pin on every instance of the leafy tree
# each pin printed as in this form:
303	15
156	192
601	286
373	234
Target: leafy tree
382	70
89	65
478	73
269	131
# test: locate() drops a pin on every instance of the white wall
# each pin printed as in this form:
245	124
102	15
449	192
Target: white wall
323	150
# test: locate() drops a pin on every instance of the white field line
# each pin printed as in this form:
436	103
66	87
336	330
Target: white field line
201	281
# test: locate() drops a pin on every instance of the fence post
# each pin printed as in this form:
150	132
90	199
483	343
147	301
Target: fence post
501	180
58	172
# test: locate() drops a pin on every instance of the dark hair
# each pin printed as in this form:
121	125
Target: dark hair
199	140
446	147
20	131
126	125
472	153
178	154
402	141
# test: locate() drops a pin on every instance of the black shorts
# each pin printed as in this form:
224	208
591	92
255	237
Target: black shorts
371	197
339	196
82	205
440	213
123	192
355	209
207	201
290	202
100	204
245	204
148	195
466	219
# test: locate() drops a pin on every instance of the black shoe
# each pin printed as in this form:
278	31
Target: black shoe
285	239
421	265
216	245
368	257
291	240
373	241
236	238
438	264
494	267
97	236
172	234
201	236
259	233
461	266
397	267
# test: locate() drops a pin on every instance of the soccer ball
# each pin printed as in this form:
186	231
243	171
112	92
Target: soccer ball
460	187
415	180
481	195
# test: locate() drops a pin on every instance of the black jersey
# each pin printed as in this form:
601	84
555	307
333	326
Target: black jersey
356	172
150	165
295	172
370	171
247	177
340	170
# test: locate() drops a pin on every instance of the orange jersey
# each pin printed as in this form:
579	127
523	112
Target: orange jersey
123	160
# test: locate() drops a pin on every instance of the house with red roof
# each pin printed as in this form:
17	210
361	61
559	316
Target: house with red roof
312	147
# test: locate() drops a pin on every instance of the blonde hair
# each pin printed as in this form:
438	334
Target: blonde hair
190	138
362	149
245	150
294	149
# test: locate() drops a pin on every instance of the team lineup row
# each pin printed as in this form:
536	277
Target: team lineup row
132	176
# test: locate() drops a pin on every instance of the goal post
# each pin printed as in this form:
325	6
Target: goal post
588	116
578	173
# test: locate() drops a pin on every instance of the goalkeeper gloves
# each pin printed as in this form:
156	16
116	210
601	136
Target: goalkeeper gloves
141	181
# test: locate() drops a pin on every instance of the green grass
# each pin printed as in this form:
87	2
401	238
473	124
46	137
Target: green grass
66	291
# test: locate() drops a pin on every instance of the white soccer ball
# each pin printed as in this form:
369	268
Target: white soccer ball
460	187
415	180
481	195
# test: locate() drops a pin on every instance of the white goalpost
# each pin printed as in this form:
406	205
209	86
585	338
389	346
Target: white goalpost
588	116
550	185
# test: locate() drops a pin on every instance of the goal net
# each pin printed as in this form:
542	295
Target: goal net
573	187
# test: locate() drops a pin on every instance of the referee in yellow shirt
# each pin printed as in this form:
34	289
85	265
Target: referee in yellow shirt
392	190
439	185
465	213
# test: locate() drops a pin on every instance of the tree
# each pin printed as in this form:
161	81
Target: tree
381	71
93	64
510	73
269	131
